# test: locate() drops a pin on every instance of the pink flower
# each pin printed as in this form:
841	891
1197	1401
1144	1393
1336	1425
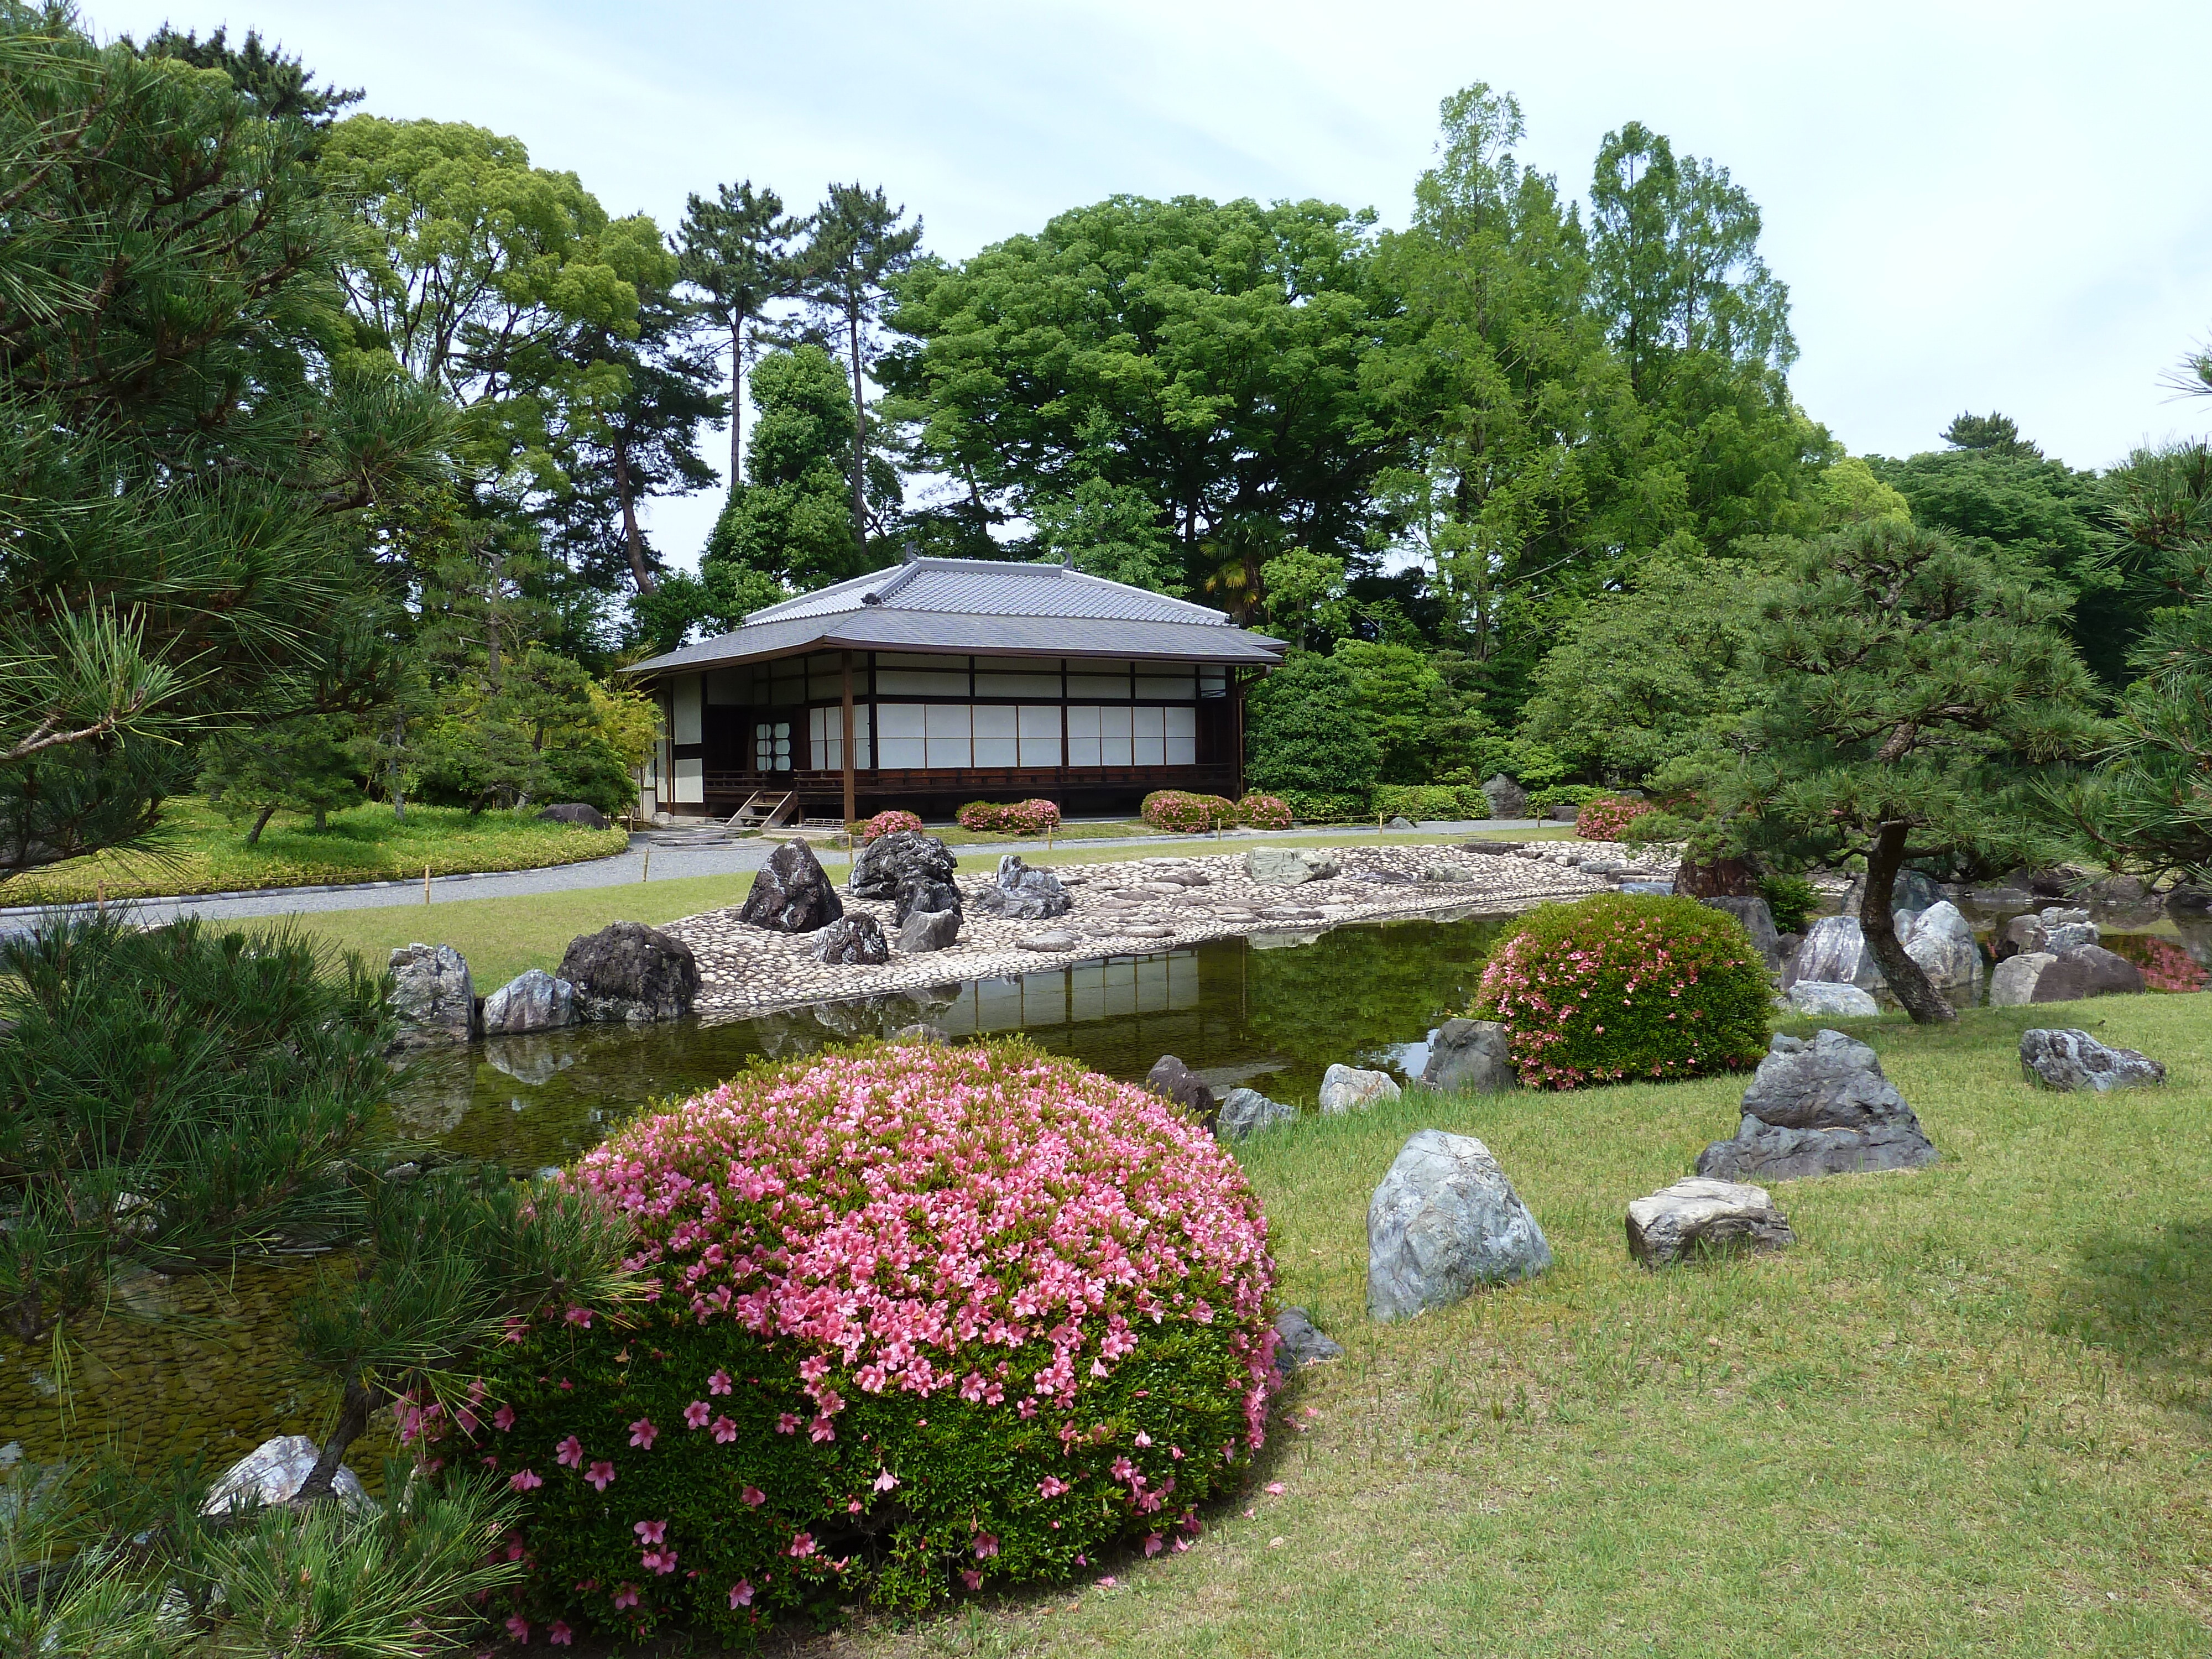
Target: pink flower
1052	1485
625	1595
571	1453
972	1579
1106	1582
802	1546
651	1531
695	1415
519	1627
579	1316
754	1496
741	1595
719	1383
788	1424
1144	1439
886	1480
601	1474
986	1547
1276	1489
725	1431
642	1433
559	1634
525	1479
1153	1544
503	1418
659	1560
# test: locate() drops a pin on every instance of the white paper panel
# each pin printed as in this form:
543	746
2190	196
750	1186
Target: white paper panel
1040	737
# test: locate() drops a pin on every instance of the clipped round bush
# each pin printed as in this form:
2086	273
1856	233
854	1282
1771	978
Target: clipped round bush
1606	818
886	823
920	1318
1621	985
1021	818
1264	812
1184	813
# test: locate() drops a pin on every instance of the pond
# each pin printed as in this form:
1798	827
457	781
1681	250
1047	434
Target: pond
203	1366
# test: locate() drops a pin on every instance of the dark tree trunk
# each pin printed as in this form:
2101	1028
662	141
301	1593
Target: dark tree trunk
1878	922
737	402
859	441
1724	878
353	1418
398	784
322	816
261	823
640	569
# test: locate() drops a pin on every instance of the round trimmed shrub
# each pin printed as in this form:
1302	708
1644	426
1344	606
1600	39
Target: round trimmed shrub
1021	818
1183	813
1620	985
1606	818
885	824
1264	812
917	1319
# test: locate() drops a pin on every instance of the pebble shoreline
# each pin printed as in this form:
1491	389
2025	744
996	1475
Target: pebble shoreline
1130	907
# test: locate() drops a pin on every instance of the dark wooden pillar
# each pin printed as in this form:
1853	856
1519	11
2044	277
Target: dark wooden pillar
1236	725
850	811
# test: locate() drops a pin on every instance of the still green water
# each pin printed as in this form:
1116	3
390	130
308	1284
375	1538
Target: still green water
202	1366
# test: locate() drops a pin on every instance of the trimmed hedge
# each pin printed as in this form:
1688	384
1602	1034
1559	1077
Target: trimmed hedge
1178	810
1264	812
886	823
1566	795
917	1319
1021	818
1607	817
1622	985
1312	807
1418	801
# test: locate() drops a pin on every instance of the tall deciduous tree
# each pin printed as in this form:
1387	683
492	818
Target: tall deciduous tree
736	249
1916	696
789	520
860	248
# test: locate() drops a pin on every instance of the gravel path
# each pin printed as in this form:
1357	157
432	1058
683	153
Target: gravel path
1145	905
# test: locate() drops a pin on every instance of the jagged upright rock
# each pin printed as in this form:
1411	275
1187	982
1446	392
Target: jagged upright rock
629	973
1835	953
885	862
1247	1111
1941	940
1816	1109
1507	798
1756	919
576	812
850	941
1171	1078
1470	1056
533	1000
1350	1088
790	894
1444	1220
432	995
1020	893
2086	971
2071	1060
928	930
922	892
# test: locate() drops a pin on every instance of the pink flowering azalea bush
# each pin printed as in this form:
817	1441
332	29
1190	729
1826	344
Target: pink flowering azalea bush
1622	986
1605	818
884	823
920	1319
1021	818
1184	813
1264	812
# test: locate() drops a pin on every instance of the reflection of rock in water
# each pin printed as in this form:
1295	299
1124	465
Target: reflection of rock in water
2195	937
434	1093
534	1060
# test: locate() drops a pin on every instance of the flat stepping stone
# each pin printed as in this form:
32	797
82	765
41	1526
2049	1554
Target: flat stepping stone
1053	940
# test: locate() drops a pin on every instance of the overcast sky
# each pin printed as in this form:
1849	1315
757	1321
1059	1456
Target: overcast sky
1975	206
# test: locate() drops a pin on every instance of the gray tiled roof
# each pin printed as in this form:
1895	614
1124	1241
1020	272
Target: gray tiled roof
982	606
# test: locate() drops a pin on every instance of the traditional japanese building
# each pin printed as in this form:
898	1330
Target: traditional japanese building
940	681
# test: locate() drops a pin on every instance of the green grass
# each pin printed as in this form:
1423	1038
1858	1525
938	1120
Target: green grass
199	851
1967	1413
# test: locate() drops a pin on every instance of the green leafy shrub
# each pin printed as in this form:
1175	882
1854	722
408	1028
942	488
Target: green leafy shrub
1306	733
919	1317
1656	825
885	824
1432	801
588	770
1791	900
1021	818
1623	985
1264	812
1178	810
1321	806
1564	794
1608	817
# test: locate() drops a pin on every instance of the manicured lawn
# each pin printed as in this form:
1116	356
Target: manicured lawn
202	852
1967	1414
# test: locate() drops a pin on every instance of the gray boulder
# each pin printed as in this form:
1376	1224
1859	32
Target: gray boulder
2060	938
1470	1056
1835	953
1171	1078
2026	935
273	1472
1757	922
627	972
1053	938
1444	1220
2013	982
1697	1215
1913	891
432	994
1401	822
574	812
1348	1089
1564	813
928	930
790	894
1822	999
1021	894
1299	1343
1442	872
1654	889
1815	1109
1247	1111
886	861
2070	1060
1941	940
1507	798
532	1001
2087	970
1289	866
850	942
918	893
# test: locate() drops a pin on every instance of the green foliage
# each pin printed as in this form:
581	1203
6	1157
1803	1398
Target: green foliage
172	1099
1791	900
1428	802
1306	734
858	253
1325	806
279	87
1184	813
737	250
306	765
1018	817
1264	812
1398	688
790	521
1305	599
1564	794
1623	986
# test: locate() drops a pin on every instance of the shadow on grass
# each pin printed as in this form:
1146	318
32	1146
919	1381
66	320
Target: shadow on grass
2145	1297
